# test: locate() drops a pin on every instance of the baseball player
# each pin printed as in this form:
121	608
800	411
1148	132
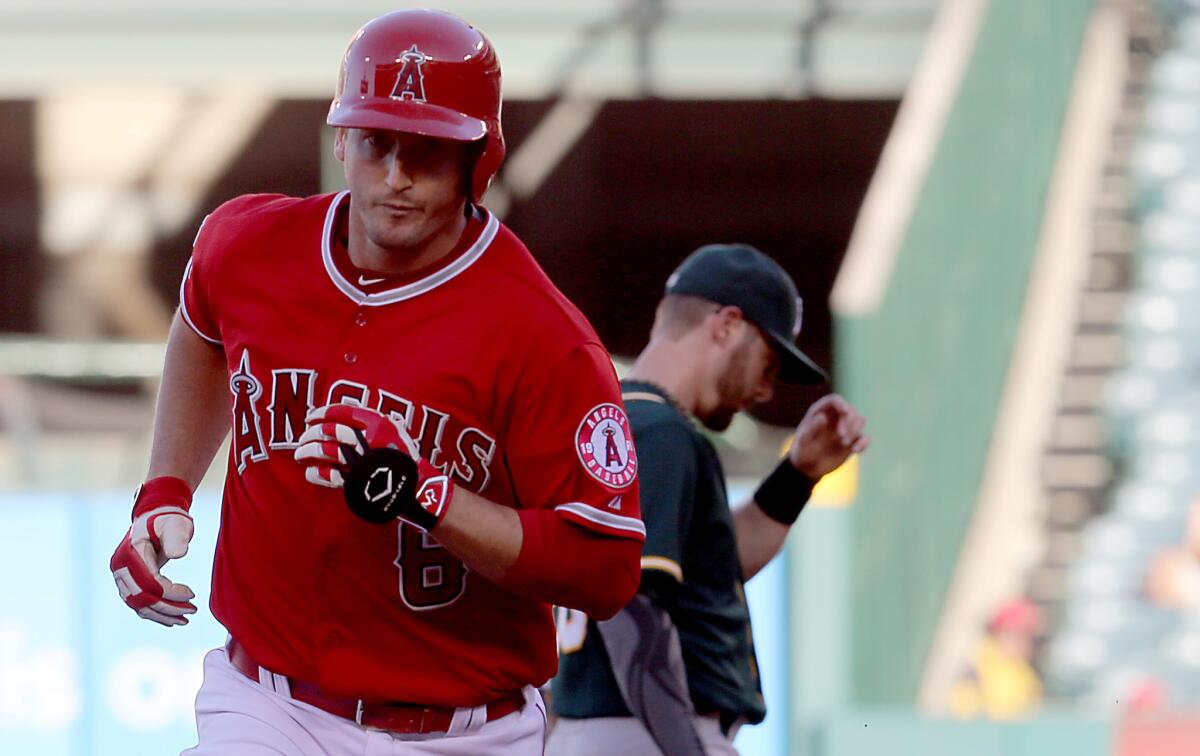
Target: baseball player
428	442
675	671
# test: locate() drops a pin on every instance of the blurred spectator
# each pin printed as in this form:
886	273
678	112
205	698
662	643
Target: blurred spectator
1173	580
1001	683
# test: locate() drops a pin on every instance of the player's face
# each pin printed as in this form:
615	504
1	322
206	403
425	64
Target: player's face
748	378
406	189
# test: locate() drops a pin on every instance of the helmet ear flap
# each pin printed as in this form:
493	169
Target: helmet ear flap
471	158
489	159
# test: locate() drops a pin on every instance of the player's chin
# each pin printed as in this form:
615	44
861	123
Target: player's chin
398	235
720	420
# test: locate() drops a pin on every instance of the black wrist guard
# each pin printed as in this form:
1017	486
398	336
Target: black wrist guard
784	493
381	485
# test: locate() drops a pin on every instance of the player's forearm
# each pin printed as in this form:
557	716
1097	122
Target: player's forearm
759	538
191	416
485	535
762	524
539	555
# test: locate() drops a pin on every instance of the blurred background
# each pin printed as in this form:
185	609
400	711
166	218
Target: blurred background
990	207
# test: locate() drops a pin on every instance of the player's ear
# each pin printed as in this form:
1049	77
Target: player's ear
339	143
726	324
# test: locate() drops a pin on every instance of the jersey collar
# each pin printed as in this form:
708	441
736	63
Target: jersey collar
409	290
637	389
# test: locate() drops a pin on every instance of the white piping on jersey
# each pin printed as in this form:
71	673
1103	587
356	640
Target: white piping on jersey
607	519
408	291
662	563
183	303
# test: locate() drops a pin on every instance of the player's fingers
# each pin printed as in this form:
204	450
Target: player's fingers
178	595
849	423
838	402
148	556
325	432
815	420
335	433
174	608
322	475
314	432
148	612
346	414
133	592
845	430
827	406
345	434
861	444
320	452
137	561
174	534
175	544
857	424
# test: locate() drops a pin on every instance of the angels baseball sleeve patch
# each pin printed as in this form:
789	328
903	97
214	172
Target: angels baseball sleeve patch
605	446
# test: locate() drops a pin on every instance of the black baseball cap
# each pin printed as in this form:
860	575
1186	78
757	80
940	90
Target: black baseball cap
740	275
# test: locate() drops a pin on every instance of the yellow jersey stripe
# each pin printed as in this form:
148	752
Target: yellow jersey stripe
664	564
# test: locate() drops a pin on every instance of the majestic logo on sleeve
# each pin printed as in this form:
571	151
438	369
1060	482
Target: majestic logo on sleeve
605	446
410	82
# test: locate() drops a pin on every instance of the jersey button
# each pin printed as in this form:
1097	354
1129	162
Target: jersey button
330	559
335	639
351	358
360	319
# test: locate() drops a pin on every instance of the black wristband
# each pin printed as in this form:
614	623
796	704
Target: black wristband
784	493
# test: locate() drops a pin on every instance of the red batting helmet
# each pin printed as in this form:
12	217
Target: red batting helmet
424	72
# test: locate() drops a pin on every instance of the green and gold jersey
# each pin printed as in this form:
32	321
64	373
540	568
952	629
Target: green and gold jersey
690	568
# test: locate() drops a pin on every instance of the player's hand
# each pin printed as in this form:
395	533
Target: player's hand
830	432
375	463
340	434
155	537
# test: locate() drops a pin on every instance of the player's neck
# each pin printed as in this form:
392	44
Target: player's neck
670	366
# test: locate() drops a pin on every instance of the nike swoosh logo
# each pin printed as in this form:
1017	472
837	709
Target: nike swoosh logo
364	281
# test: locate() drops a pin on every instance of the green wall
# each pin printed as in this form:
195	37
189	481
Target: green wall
928	367
870	732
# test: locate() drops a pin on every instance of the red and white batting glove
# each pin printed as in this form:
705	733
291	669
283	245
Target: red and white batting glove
377	465
161	531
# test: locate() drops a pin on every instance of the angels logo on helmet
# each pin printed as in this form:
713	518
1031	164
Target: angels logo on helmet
410	82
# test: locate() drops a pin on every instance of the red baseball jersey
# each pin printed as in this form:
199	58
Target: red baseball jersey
498	377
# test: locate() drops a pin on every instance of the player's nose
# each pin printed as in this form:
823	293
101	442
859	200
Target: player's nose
398	177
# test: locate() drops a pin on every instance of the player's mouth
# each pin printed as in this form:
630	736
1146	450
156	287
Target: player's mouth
396	209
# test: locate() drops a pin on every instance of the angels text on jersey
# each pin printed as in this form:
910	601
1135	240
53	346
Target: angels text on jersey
270	417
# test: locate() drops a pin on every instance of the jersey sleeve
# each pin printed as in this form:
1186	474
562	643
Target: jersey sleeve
194	303
569	446
667	478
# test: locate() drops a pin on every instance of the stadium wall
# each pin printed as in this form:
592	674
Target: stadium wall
927	361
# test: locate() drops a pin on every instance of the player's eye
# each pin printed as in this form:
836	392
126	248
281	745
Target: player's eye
376	141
